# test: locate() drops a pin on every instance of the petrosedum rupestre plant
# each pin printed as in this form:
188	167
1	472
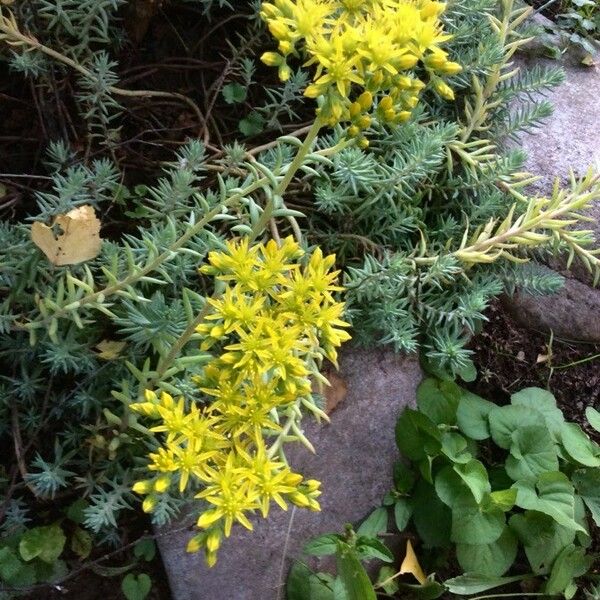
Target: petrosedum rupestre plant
361	50
273	324
281	319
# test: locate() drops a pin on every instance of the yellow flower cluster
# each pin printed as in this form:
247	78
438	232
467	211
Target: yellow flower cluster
269	330
370	45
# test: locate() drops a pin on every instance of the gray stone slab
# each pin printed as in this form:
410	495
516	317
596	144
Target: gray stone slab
570	139
572	314
354	460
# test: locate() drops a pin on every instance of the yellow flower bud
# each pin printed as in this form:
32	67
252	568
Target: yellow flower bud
285	47
162	484
207	518
377	79
150	396
432	10
411	101
386	103
284	72
353	131
213	540
417	85
389	114
403	116
312	485
278	29
363	143
211	558
313	91
271	59
408	61
300	500
364	121
451	68
149	504
444	90
355	109
365	100
268	11
142	487
195	543
404	82
436	59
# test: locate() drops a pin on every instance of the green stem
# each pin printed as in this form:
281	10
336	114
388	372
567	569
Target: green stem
519	595
257	229
282	186
577	362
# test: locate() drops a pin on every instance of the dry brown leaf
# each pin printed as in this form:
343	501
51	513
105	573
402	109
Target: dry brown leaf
334	393
411	565
77	238
139	15
110	349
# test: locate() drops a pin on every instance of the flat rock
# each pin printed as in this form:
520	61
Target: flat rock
354	458
569	139
572	314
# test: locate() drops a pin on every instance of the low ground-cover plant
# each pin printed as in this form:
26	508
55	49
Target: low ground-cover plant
490	487
576	22
401	172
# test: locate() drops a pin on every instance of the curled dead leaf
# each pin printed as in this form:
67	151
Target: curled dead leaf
109	349
72	238
334	393
410	565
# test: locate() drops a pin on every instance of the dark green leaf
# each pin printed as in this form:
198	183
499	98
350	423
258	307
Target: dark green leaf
234	93
569	564
136	588
587	484
252	124
402	513
542	537
432	518
404	478
413	431
472	525
472	416
454	446
145	548
75	512
303	584
475	476
323	545
505	420
374	524
81	542
451	488
10	564
492	560
554	497
353	577
579	446
532	453
432	402
473	584
45	543
373	548
543	402
428	591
